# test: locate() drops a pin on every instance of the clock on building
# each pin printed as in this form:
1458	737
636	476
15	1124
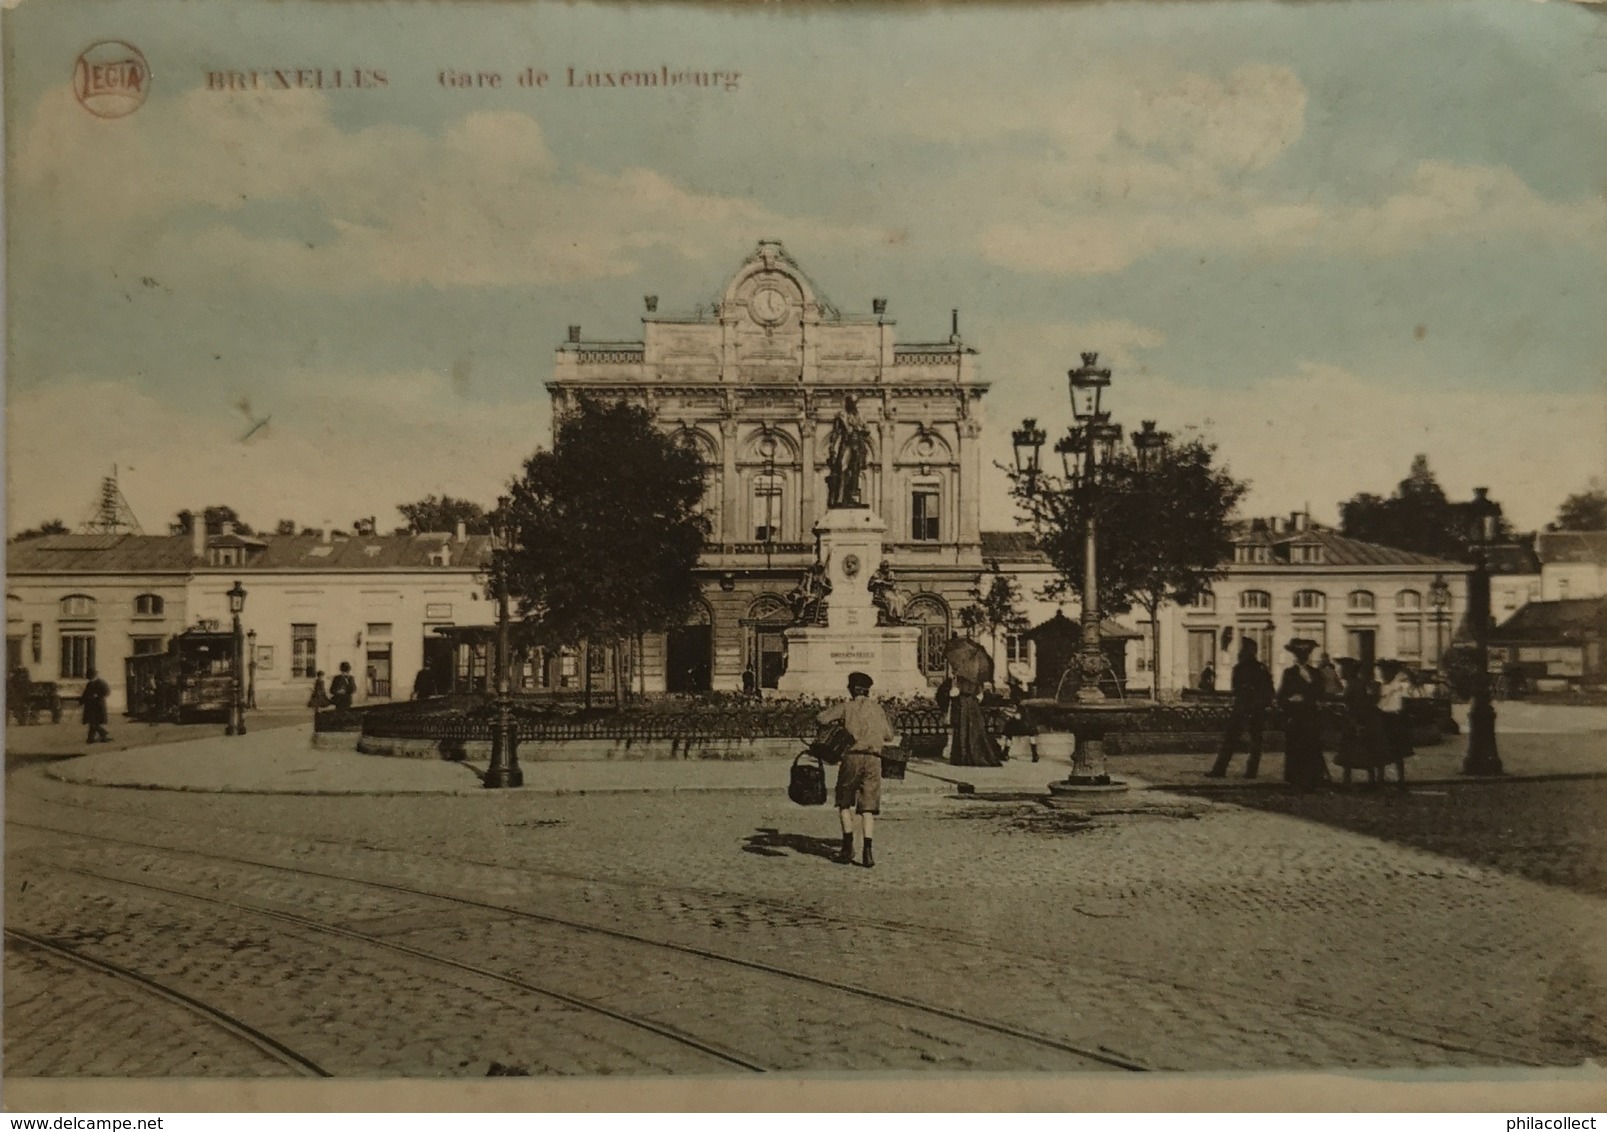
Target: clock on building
768	305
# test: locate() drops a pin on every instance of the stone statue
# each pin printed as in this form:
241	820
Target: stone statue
847	453
808	597
889	600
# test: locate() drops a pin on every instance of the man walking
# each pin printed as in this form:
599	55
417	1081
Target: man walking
96	691
1252	694
859	778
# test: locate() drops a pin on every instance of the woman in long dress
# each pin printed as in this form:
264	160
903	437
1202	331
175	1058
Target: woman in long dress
1396	689
1299	691
969	743
1361	732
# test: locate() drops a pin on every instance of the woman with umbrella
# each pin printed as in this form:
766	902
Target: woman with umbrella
971	668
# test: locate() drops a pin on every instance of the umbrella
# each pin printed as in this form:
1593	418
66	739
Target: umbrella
969	660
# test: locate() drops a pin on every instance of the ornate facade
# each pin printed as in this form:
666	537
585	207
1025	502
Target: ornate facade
753	380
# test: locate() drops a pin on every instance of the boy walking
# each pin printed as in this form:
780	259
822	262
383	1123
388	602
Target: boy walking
859	778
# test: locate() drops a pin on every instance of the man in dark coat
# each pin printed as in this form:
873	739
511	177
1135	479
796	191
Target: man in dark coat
96	691
342	688
1252	695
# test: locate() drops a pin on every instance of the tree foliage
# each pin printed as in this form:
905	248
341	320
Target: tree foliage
214	517
1583	511
607	528
48	527
1417	517
444	514
995	607
1164	531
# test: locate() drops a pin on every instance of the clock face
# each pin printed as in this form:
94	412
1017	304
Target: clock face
768	305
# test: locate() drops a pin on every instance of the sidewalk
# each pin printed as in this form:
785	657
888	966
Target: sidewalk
282	760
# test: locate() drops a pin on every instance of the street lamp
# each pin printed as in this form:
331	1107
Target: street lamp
237	708
251	667
1150	443
1482	758
1028	442
504	769
1098	442
1439	598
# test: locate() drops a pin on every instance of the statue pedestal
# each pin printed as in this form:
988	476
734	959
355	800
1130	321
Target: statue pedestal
820	657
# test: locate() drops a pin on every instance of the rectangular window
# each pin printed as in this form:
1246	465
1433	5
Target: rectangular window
303	651
77	655
1015	648
1409	640
767	508
923	513
146	646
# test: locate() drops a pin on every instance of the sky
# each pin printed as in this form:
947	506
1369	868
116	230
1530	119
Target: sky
1329	236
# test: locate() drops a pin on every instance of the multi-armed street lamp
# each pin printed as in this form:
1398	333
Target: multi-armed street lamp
1439	599
504	769
237	707
1483	524
1084	451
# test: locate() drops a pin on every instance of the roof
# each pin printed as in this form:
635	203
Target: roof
137	554
1570	620
1061	624
1514	559
1572	547
1340	551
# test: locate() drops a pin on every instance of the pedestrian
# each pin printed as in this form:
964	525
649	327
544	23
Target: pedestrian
319	699
342	688
1361	732
969	741
1299	693
1252	695
1332	683
424	684
859	775
19	695
96	691
1395	690
1208	677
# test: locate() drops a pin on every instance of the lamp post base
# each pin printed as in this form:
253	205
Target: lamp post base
1482	759
502	777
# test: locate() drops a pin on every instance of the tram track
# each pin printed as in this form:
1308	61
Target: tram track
1432	1037
215	1016
1094	1058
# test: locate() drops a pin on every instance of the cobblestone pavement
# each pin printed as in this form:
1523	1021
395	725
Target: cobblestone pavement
1178	932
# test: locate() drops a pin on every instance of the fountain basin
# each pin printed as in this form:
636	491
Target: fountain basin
1087	722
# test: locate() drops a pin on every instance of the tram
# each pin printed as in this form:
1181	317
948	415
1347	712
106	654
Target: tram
193	679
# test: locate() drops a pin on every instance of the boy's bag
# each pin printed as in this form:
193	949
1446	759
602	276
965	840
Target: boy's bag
807	786
831	744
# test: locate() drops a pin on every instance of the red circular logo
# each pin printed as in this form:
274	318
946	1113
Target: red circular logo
111	78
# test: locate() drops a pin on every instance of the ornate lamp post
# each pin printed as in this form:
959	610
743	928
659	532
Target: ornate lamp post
1439	598
504	770
251	667
237	709
1482	758
1028	443
1094	442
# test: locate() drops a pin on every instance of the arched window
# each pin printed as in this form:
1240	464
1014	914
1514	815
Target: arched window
1408	601
1311	601
769	507
149	605
1255	599
1204	602
1361	601
931	613
78	607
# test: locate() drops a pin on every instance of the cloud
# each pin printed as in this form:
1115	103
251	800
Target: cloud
1322	433
337	447
486	202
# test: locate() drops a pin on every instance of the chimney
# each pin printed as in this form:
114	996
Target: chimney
327	535
227	528
574	333
954	335
1275	525
198	534
463	531
1298	520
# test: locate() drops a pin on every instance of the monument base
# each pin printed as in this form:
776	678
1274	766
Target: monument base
819	661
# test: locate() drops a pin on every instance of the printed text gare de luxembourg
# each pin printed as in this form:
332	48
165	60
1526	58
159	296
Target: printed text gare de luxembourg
662	77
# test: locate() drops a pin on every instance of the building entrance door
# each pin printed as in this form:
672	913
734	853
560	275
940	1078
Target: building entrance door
772	648
13	654
438	661
379	669
688	665
1363	645
1202	651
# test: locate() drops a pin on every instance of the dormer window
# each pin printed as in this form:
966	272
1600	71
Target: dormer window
1307	553
227	556
1252	552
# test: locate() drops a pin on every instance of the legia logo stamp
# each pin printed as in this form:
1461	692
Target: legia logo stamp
111	78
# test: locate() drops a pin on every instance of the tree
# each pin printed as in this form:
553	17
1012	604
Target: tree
48	527
1418	517
214	517
444	514
1583	511
285	527
995	606
1164	531
607	530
